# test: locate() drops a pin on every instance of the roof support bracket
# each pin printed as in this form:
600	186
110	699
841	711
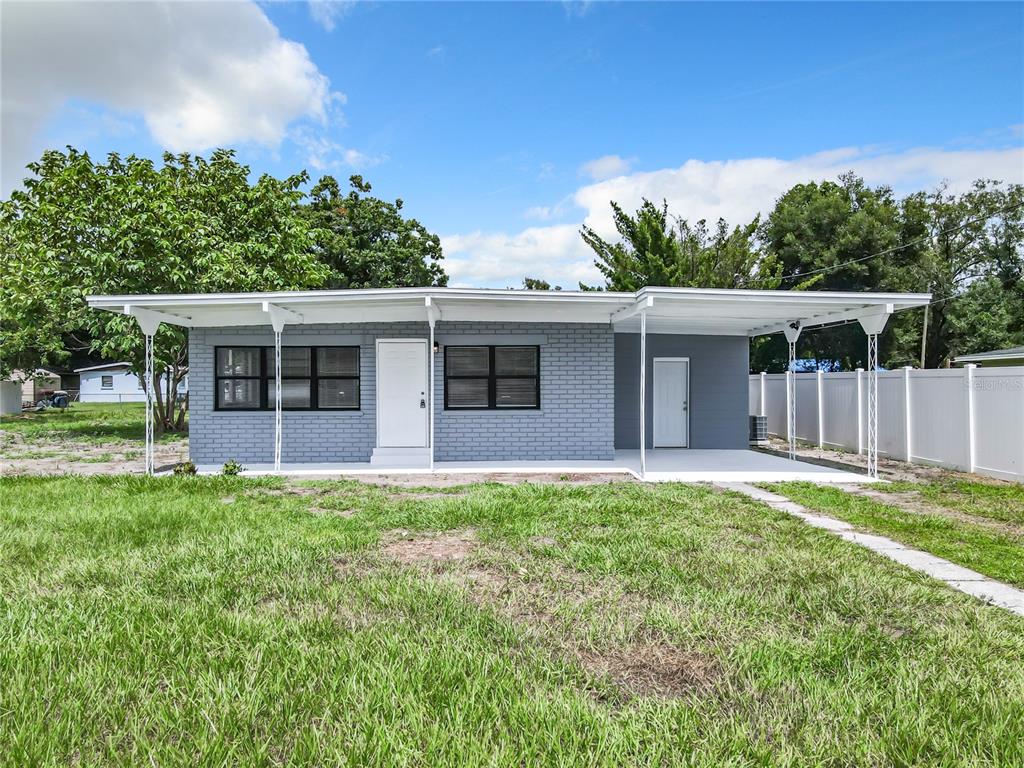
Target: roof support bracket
640	306
433	310
151	318
279	316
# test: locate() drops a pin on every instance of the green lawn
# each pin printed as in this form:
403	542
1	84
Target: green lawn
976	537
83	422
224	621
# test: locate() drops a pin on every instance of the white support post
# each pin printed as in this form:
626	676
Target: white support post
873	324
860	411
764	389
277	400
792	332
150	462
972	456
149	324
278	316
873	405
821	409
430	391
433	315
907	421
643	394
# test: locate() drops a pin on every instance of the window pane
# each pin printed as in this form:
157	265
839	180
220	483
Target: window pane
338	393
238	361
107	382
515	393
467	361
294	393
467	393
238	393
515	361
294	361
337	361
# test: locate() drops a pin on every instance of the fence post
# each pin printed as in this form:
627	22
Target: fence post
860	411
821	409
764	406
907	424
969	377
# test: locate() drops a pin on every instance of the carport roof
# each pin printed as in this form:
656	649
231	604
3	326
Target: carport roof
668	310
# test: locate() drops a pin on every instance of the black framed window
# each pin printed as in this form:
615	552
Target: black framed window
312	378
491	377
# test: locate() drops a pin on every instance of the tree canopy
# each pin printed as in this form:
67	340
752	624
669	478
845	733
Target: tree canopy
655	248
966	249
192	225
367	243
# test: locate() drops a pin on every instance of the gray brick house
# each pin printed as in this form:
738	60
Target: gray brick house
413	377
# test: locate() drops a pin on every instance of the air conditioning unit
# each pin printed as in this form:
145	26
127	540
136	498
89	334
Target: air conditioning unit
759	430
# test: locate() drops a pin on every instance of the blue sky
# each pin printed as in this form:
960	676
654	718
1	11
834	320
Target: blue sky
506	126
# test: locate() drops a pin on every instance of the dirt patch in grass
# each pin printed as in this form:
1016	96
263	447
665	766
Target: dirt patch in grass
425	495
439	548
653	669
548	600
911	501
503	478
324	512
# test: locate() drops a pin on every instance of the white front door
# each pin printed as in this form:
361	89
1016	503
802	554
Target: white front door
402	393
671	402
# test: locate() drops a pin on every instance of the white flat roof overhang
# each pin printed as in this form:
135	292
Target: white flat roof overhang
668	310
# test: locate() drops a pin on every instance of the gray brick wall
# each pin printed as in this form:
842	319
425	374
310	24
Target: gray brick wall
576	419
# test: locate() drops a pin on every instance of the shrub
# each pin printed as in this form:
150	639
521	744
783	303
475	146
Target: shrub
185	468
232	467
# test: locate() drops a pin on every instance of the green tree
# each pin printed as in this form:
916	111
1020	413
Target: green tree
366	242
972	264
825	236
536	284
656	248
194	225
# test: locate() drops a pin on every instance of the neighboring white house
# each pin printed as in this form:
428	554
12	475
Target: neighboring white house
114	383
996	357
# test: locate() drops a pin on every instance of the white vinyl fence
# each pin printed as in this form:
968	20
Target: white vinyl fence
964	418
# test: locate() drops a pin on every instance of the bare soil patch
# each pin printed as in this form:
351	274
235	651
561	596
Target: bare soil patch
888	469
911	501
57	457
440	548
547	601
653	669
504	478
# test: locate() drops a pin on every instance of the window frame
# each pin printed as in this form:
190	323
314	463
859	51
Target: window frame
492	379
103	381
266	376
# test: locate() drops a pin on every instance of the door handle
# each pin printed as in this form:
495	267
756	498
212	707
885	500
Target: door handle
423	403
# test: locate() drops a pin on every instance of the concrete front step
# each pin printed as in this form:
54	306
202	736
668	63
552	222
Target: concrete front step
400	457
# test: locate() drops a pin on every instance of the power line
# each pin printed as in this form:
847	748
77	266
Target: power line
887	251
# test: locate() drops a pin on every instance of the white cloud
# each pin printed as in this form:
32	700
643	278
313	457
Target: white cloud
606	167
554	253
327	13
736	190
324	154
200	74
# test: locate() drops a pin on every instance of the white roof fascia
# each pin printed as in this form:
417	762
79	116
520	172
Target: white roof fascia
995	354
727	311
104	367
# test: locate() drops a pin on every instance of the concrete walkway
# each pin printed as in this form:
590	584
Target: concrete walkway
956	576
